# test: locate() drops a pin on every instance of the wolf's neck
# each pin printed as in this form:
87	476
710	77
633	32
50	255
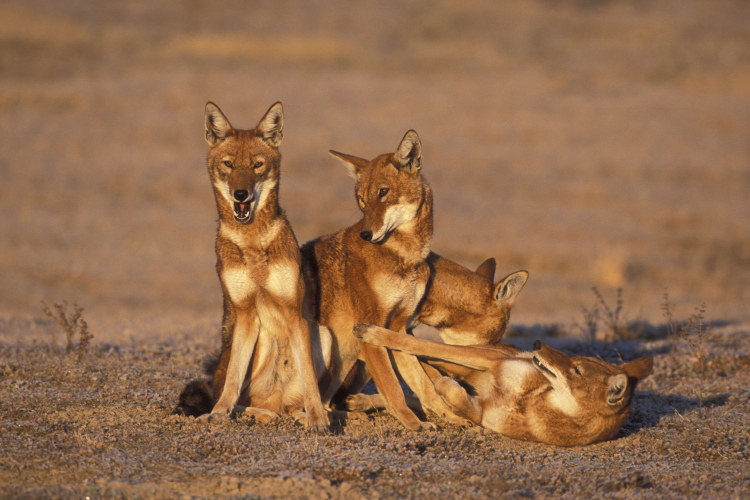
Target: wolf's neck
412	240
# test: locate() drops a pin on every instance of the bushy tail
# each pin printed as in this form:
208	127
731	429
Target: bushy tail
197	398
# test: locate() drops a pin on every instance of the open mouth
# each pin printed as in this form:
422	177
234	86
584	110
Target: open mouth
538	363
242	211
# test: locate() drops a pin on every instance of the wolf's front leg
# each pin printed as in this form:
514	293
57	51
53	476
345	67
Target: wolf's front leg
379	363
317	418
414	375
244	339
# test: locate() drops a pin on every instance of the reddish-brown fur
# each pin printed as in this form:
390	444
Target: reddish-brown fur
266	361
544	395
467	307
375	271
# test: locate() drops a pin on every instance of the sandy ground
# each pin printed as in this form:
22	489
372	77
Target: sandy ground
592	143
103	427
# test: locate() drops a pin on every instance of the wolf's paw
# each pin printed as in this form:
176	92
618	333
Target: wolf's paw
213	418
260	414
420	426
367	333
314	421
360	329
454	419
364	402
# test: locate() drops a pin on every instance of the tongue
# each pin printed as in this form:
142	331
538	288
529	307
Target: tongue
241	209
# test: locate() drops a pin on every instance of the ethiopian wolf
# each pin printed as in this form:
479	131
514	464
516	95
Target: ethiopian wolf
266	365
376	272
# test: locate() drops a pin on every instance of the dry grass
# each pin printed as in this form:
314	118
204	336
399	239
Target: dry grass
73	325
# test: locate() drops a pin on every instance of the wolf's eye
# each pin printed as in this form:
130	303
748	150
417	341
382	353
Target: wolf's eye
382	193
578	371
228	164
258	164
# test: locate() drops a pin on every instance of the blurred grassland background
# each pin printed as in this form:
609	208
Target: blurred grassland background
592	143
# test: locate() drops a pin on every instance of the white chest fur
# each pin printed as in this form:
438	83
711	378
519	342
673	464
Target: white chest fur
239	283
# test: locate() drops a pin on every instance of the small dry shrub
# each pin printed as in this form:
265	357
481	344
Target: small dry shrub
616	327
71	325
693	331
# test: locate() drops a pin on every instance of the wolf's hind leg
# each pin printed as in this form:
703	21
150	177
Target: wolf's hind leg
458	399
412	371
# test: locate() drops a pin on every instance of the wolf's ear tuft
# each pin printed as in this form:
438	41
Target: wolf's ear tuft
617	386
271	126
217	125
409	153
487	269
506	289
354	164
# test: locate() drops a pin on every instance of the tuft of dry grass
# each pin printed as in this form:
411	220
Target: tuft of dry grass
666	309
590	322
71	325
694	330
615	326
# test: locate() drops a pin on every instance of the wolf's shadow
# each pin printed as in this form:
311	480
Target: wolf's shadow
649	408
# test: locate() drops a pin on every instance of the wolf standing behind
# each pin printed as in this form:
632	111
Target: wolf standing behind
266	360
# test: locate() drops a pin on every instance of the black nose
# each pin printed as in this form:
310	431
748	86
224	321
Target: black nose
537	345
366	235
241	195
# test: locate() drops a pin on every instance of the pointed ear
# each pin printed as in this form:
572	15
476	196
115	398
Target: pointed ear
506	289
617	386
217	125
487	269
639	369
270	128
409	153
354	164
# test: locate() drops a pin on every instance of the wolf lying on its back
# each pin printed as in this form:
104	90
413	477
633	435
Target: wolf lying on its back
544	395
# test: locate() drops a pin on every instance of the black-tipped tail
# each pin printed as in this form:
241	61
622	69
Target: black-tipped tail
196	399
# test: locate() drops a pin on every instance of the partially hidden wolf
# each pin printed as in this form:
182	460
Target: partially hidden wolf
266	366
376	271
468	307
544	395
